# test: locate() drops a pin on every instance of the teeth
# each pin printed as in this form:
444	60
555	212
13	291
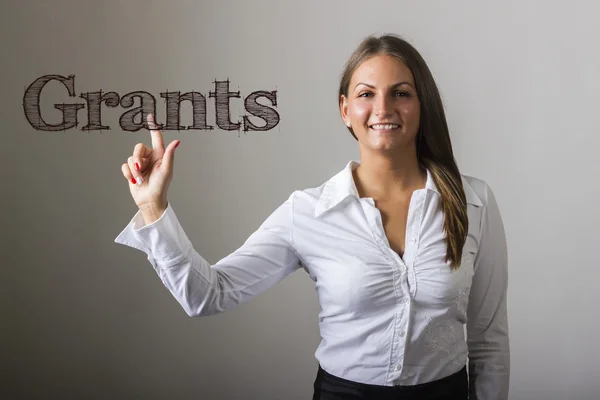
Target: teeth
385	126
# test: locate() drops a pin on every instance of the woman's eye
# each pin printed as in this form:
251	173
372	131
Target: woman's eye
398	94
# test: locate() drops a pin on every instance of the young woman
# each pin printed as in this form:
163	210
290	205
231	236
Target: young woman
403	249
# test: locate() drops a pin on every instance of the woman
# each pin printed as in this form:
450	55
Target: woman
403	249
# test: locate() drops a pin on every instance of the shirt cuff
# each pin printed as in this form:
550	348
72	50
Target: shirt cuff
164	240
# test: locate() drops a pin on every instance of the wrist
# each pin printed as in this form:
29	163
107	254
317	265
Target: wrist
152	212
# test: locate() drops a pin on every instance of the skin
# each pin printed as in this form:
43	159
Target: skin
382	90
149	171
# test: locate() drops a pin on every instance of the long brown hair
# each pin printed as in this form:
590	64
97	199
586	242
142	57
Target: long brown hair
434	150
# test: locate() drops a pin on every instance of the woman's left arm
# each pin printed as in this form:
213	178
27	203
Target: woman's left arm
487	324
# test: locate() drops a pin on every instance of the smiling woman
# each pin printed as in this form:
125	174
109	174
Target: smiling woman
382	106
391	104
402	248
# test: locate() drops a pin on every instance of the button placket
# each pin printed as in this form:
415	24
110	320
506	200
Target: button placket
401	278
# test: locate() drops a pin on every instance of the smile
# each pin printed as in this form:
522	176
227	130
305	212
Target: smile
384	127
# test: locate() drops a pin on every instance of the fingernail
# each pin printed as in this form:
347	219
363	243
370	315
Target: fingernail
140	180
177	144
137	166
133	180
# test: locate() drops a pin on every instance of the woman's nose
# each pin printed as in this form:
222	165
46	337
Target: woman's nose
382	106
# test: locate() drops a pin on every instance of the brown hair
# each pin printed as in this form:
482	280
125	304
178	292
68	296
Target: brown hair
434	150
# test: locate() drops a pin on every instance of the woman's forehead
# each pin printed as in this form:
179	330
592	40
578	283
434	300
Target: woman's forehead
382	69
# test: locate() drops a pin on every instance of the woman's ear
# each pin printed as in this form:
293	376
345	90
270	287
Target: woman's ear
344	111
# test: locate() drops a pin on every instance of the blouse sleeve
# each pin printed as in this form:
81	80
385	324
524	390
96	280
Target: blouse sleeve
487	322
266	257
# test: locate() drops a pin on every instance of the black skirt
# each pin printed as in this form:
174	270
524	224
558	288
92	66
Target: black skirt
330	387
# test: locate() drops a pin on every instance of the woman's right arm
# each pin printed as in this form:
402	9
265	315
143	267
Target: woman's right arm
201	289
266	257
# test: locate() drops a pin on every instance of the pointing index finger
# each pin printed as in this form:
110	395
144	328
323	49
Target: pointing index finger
155	133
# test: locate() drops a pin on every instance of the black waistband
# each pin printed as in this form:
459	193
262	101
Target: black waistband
453	387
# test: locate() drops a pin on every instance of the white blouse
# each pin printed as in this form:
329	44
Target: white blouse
384	319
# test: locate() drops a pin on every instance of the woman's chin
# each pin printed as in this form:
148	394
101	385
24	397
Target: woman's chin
384	144
386	141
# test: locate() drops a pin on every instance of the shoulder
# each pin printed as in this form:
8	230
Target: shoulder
315	200
478	189
305	200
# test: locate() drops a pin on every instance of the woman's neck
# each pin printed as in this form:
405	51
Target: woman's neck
386	178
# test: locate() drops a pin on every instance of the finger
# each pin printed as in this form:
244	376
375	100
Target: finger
136	174
140	152
127	173
155	133
169	155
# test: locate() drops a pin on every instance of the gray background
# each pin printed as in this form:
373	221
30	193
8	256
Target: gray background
85	318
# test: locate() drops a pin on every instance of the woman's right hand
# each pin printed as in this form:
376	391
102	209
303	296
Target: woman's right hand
149	173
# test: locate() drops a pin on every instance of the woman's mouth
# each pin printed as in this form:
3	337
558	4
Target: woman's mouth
384	127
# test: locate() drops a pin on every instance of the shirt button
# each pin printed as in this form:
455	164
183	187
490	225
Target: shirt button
414	241
405	300
402	333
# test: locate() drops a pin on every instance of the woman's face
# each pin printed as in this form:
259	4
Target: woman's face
382	106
